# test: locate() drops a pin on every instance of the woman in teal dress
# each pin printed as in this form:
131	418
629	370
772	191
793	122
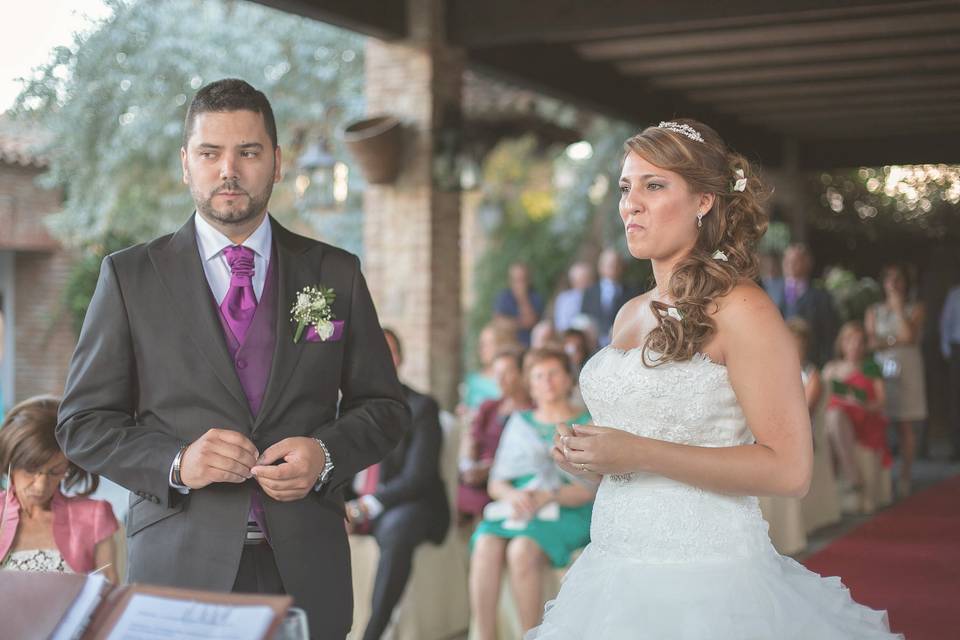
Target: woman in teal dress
540	514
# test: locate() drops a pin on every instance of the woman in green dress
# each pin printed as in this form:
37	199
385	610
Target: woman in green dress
540	514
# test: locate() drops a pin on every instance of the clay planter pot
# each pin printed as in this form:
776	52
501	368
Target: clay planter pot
375	142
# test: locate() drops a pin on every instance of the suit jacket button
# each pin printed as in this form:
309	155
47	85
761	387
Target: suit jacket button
241	363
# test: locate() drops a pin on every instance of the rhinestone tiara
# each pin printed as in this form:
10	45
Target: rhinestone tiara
682	129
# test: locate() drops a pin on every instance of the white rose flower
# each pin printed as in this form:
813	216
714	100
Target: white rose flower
324	329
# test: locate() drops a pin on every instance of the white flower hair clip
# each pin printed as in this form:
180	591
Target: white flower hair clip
672	312
719	255
741	183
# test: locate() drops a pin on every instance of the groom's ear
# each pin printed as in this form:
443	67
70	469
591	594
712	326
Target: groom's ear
183	165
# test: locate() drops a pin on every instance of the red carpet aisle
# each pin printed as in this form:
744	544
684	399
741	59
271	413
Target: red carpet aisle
906	560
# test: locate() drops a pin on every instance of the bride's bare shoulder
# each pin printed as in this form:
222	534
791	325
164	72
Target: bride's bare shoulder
747	314
745	295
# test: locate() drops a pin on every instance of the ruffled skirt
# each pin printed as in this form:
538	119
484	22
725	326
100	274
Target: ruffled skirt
765	597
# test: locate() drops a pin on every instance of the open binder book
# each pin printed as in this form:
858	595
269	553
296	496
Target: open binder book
62	606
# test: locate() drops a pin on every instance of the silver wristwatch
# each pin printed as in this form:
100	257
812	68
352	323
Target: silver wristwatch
327	465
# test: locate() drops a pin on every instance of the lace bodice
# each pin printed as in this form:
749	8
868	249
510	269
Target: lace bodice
36	560
652	518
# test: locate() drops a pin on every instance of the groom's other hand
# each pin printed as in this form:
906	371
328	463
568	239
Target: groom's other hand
301	462
219	455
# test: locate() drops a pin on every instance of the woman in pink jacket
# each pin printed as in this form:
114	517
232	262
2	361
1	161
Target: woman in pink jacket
41	529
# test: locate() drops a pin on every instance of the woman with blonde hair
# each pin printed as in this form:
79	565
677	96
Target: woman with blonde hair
702	406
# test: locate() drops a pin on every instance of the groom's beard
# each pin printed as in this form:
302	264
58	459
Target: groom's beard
256	203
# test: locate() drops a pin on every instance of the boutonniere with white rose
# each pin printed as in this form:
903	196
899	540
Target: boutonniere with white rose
313	313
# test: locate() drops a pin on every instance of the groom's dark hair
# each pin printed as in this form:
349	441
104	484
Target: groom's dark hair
230	94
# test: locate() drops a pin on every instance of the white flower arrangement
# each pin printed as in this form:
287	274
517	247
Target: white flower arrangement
741	183
314	306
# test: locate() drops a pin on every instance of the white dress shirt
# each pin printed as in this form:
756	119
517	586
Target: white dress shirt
211	243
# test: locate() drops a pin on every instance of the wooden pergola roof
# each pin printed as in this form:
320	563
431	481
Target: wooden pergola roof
812	84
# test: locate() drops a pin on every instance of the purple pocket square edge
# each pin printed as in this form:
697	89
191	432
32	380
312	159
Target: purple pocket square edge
312	336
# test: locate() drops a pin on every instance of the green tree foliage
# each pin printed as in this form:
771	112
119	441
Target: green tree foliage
545	208
115	101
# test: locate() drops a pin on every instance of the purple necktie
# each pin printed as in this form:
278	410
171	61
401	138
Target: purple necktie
238	308
240	302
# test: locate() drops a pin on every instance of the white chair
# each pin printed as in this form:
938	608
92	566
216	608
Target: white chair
785	517
877	479
821	506
435	605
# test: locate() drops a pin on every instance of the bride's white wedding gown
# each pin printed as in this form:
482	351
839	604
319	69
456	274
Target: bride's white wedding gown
667	561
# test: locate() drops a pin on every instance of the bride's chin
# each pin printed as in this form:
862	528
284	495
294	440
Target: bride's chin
637	250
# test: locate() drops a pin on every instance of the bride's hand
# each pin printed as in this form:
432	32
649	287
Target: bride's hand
601	450
559	454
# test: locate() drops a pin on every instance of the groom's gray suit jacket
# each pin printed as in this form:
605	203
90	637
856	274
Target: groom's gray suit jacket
152	372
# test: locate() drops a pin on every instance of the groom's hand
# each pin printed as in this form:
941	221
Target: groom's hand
302	461
219	455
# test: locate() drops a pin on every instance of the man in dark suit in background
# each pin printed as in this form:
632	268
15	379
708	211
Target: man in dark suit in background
796	296
602	300
402	501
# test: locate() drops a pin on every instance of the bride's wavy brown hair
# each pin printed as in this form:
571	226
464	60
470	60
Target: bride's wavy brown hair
734	225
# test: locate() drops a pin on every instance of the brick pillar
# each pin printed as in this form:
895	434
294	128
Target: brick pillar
412	228
41	325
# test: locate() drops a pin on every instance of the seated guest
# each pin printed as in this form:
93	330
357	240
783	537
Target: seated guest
544	335
41	529
480	385
540	514
854	412
479	445
576	344
809	374
401	501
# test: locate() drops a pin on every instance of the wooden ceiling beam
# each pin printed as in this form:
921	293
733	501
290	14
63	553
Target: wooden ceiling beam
867	49
475	23
945	20
557	70
741	95
384	20
863	101
906	111
785	74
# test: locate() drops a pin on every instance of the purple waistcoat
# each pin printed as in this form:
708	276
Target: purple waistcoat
253	357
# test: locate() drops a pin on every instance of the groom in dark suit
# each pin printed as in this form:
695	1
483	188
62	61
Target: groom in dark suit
190	388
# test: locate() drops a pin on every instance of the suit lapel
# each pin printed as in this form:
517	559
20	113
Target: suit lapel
293	274
179	267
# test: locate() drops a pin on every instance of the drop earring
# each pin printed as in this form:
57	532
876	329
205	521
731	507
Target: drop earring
699	220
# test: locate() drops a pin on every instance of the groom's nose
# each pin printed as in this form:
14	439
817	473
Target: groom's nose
228	167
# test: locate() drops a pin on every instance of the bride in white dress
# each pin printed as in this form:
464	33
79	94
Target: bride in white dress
703	410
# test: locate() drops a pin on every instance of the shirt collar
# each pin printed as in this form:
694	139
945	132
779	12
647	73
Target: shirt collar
211	242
